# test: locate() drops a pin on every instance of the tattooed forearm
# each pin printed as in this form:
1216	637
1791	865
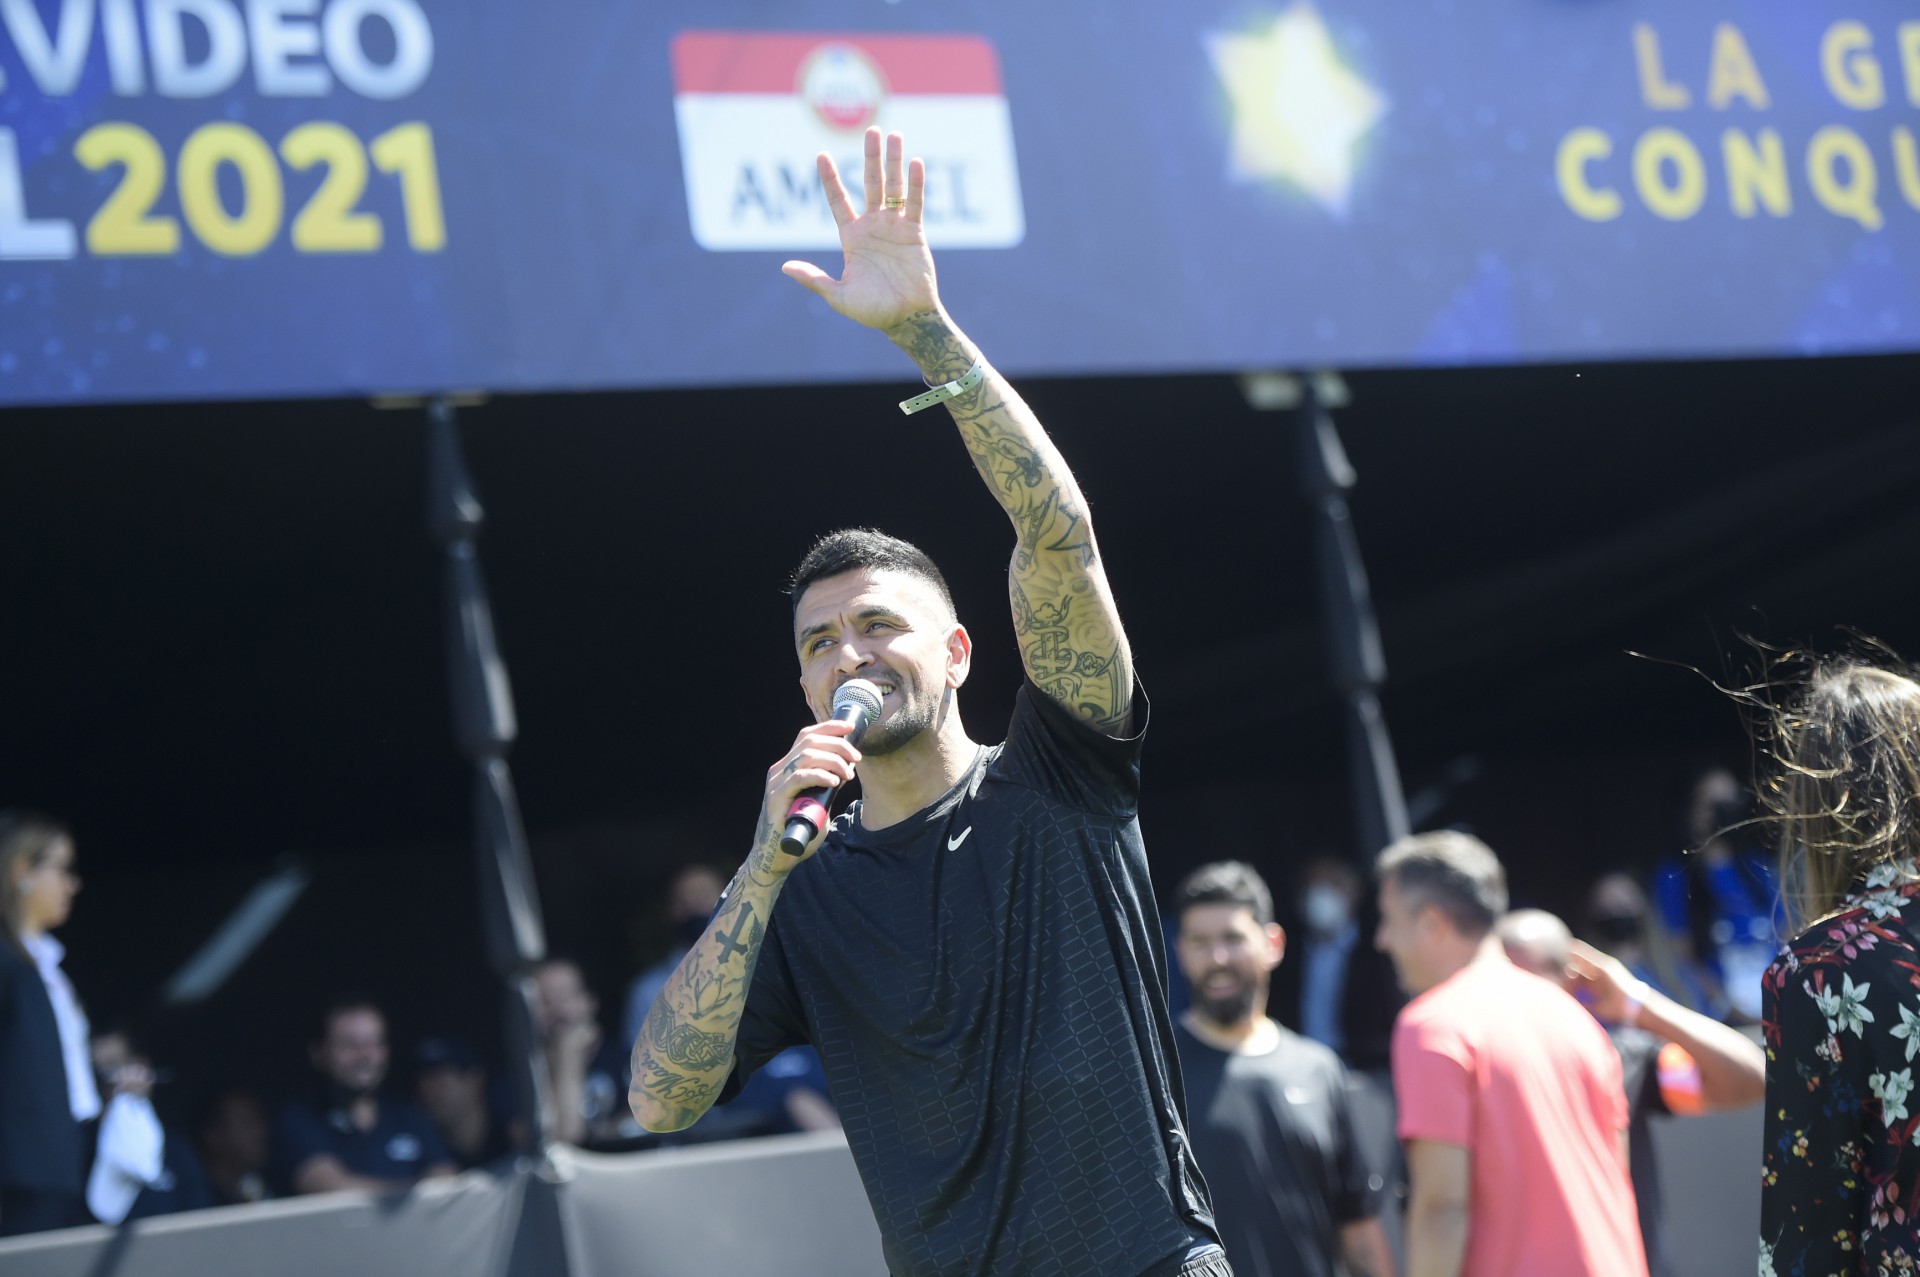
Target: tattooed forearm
1070	636
677	1087
685	1045
931	341
685	1048
732	945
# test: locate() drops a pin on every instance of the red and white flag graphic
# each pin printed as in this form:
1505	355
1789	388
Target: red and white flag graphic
754	108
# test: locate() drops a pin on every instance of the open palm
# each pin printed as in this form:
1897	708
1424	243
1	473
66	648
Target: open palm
888	275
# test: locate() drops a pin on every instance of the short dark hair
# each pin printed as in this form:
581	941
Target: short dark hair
344	1004
865	549
1225	882
1455	873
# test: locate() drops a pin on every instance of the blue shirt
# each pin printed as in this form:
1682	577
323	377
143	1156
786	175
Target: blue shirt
1323	983
400	1145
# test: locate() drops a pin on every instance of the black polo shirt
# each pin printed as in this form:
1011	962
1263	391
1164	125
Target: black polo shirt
985	983
400	1145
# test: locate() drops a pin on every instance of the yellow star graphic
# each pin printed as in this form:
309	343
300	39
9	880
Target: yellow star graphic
1298	112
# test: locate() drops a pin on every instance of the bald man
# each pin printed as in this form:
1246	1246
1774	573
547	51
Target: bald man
1672	1060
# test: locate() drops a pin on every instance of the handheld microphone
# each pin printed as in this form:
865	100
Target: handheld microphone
855	701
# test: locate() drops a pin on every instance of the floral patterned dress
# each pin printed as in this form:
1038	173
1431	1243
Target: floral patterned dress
1840	1189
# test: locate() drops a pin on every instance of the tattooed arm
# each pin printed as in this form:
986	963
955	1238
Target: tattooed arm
685	1049
1063	612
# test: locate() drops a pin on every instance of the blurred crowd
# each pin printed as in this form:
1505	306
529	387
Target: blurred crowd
81	1140
1360	1054
1294	997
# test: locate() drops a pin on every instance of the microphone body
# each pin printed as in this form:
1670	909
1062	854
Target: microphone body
855	701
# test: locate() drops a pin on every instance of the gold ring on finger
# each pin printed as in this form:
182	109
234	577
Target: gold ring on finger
896	201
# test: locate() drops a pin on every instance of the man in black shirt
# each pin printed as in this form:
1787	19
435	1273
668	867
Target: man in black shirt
973	949
1272	1124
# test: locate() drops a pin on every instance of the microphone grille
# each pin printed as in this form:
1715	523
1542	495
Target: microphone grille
857	691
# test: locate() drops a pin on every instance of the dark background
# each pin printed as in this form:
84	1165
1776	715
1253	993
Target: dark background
223	638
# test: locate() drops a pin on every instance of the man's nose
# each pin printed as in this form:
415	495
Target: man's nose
851	657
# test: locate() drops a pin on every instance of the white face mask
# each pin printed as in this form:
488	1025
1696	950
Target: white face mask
1325	908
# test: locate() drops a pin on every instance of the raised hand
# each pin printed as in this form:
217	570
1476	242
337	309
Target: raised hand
888	276
1603	982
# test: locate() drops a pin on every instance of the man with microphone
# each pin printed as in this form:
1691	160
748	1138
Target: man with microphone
973	948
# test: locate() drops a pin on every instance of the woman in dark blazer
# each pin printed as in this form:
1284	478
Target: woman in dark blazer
41	1150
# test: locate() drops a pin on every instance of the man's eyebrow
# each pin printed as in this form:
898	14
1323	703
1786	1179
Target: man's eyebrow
864	614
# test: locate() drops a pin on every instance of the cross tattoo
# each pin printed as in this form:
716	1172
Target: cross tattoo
731	944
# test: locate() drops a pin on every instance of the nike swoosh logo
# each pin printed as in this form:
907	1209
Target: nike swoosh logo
954	843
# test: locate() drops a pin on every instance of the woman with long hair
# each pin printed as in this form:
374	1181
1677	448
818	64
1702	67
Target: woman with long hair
1841	1004
47	1086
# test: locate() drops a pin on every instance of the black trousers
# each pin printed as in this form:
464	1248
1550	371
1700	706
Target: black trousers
38	1210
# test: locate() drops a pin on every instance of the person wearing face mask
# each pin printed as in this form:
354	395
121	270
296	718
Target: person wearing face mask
1337	991
1621	920
47	1087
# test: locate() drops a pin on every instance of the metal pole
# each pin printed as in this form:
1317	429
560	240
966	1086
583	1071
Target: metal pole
484	728
1358	664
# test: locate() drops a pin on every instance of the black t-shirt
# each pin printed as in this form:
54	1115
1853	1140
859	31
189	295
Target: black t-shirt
1640	1073
1274	1135
986	986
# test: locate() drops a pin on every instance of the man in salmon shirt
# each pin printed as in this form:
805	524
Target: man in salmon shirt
1511	1104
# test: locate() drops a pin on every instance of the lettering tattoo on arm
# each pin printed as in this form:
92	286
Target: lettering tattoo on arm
1069	631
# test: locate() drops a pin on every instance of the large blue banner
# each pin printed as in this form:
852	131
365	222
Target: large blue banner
217	198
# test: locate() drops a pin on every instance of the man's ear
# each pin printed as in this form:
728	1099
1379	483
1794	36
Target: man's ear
1276	944
959	655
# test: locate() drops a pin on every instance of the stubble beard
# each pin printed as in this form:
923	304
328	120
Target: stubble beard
915	716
